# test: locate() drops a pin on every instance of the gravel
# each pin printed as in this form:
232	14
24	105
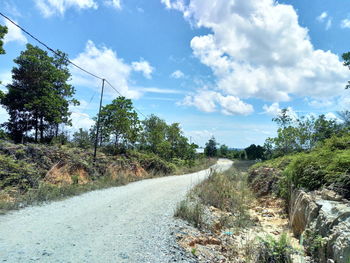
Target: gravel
132	223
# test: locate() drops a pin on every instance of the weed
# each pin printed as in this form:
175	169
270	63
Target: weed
191	212
271	250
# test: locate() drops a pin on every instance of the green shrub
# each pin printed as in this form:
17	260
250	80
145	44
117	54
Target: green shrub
271	250
17	173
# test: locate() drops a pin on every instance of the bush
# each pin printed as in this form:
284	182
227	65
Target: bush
227	191
271	250
17	173
328	165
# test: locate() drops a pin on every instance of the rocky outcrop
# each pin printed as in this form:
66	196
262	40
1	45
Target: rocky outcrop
264	180
322	218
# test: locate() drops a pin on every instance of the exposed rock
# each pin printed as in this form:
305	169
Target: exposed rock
303	210
324	220
263	180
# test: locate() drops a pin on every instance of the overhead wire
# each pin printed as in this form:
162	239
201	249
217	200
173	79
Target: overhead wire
66	59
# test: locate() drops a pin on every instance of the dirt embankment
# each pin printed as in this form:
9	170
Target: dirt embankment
234	235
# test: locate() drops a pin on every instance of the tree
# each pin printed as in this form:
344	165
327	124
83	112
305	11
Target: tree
154	133
346	58
120	122
82	139
345	117
39	96
223	150
255	152
3	32
210	149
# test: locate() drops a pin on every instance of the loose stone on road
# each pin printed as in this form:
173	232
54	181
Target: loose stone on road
131	223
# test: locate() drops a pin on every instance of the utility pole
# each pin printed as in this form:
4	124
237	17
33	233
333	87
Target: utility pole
98	120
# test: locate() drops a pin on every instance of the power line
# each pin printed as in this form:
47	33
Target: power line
66	59
49	48
122	95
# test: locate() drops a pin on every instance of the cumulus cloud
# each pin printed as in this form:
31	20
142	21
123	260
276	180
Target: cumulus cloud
178	74
104	62
345	23
209	101
144	67
114	3
14	34
58	7
257	49
274	110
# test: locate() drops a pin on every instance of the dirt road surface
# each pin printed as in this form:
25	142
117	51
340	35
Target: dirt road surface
130	223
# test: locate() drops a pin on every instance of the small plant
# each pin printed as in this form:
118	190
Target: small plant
193	251
271	250
191	212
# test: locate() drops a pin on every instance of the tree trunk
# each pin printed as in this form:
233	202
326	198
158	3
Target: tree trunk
56	132
41	129
36	129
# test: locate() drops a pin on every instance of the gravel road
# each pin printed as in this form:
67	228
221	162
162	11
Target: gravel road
131	223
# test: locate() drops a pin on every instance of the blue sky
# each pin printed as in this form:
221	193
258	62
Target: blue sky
221	68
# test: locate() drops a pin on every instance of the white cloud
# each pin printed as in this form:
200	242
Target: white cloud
81	120
144	67
325	18
4	116
114	3
105	63
322	17
178	74
160	91
257	49
273	110
345	23
208	101
14	34
331	116
322	103
58	7
5	77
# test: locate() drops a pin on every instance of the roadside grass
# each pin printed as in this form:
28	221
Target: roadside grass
194	166
226	191
13	198
46	192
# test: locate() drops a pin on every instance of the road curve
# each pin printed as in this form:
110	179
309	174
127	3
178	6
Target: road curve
122	224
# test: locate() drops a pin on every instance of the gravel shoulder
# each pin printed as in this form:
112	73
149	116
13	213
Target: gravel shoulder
131	223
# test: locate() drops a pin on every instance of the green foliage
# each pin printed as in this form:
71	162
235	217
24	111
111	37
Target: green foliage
39	97
3	32
17	173
165	140
346	58
326	165
254	152
223	151
210	149
276	251
227	191
82	139
152	163
302	134
120	121
315	243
